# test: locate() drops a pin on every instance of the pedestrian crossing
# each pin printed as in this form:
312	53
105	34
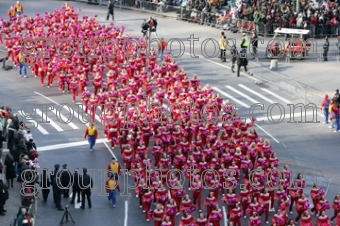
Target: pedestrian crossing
244	96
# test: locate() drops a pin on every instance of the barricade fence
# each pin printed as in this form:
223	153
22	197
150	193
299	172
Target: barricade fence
279	81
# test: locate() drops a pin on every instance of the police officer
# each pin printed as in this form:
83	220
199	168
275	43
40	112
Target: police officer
241	61
76	187
66	181
325	49
244	43
86	186
45	184
110	10
53	176
57	190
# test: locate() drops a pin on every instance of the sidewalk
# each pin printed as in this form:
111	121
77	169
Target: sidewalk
14	202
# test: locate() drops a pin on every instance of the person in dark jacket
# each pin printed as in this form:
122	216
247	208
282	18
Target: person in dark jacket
76	187
145	28
31	145
66	181
3	197
57	191
233	53
241	61
111	10
325	49
12	129
10	170
86	185
254	43
45	184
54	184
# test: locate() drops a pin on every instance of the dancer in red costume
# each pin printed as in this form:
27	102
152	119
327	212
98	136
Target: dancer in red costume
236	214
187	205
74	88
216	216
279	219
147	199
210	202
186	220
167	222
157	215
323	220
306	219
302	205
336	207
196	189
254	220
171	210
265	202
230	199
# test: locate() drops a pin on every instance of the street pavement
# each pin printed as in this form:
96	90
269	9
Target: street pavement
307	147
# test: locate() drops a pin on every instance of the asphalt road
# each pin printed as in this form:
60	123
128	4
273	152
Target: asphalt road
306	147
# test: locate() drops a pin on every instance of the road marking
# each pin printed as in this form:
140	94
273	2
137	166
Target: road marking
66	108
230	97
256	93
95	116
108	148
39	127
213	62
126	213
68	145
76	204
51	122
64	119
267	133
225	216
242	94
275	95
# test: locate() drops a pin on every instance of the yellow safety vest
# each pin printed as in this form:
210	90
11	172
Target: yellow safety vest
12	12
112	185
91	131
245	39
19	8
21	58
114	167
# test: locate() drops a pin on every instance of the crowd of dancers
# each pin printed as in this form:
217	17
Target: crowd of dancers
200	132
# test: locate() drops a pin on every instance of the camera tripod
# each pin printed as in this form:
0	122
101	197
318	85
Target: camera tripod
65	217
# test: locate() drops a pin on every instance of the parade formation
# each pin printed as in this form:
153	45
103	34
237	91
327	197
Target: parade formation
130	91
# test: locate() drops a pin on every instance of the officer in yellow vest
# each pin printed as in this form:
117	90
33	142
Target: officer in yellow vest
11	12
19	9
244	43
91	134
22	65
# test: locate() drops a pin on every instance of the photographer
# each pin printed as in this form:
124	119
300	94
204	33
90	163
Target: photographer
145	28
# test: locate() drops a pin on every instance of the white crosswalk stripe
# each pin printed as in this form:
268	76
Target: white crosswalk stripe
239	94
49	120
256	93
242	94
230	97
275	95
64	120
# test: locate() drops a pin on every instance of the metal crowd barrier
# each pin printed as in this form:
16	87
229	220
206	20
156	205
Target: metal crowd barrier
280	81
185	13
